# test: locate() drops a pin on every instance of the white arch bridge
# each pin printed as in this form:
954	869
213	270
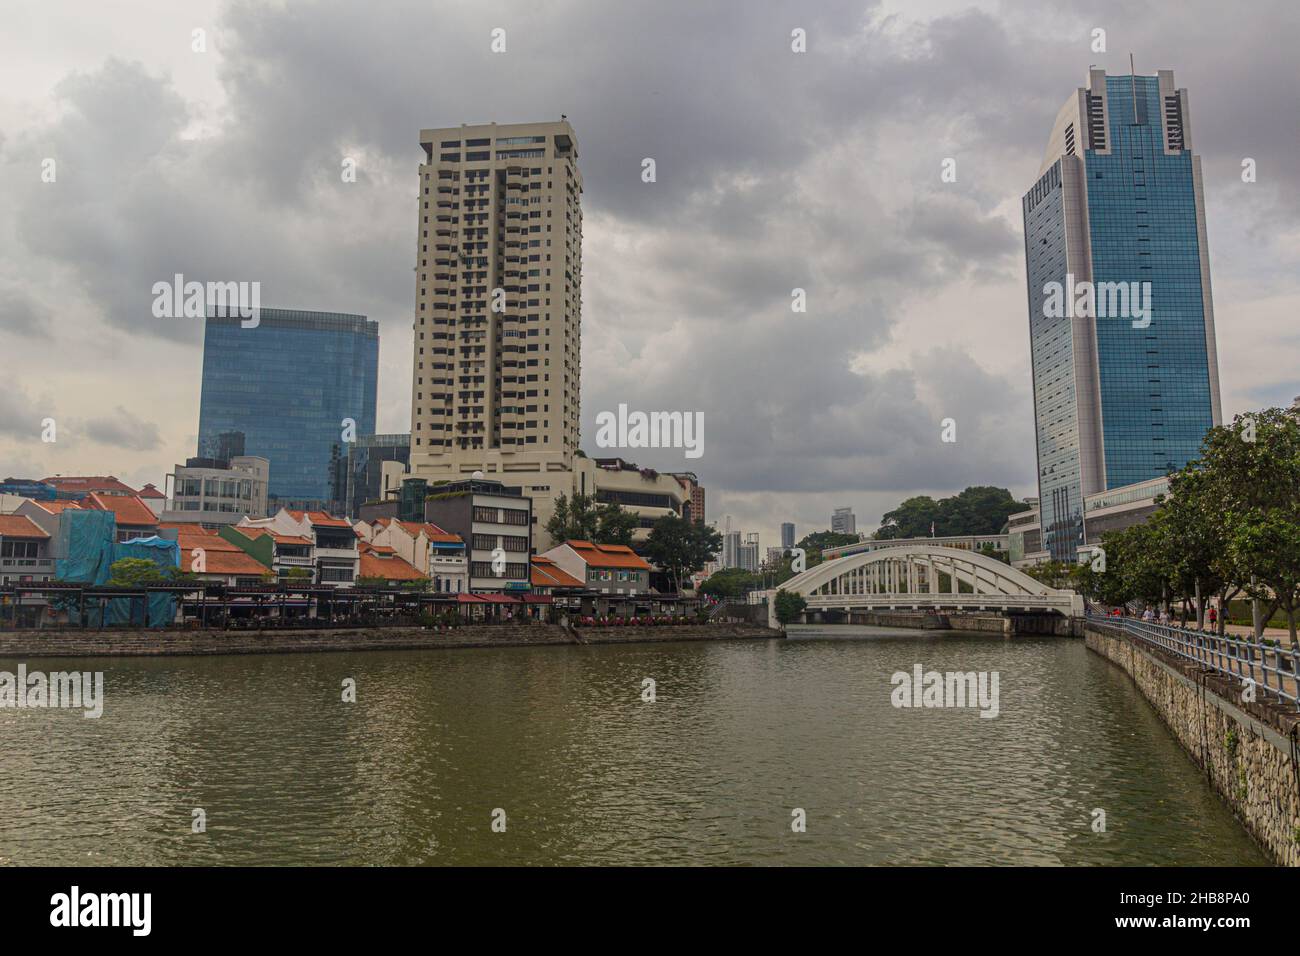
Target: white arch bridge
925	578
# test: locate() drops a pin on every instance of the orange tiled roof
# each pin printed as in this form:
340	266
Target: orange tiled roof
275	536
219	555
85	484
20	526
431	531
129	509
327	520
608	555
149	491
57	507
231	562
389	568
547	574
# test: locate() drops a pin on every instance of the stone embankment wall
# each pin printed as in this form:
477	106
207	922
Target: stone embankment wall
147	642
1247	750
989	622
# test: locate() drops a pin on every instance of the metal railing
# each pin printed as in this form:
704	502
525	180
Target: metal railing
1269	665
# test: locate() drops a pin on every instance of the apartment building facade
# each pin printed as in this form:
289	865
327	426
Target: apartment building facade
498	311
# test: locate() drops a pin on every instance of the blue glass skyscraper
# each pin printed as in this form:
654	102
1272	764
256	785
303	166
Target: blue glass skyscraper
1121	317
288	384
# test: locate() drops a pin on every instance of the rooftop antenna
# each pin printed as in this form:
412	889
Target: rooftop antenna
1132	75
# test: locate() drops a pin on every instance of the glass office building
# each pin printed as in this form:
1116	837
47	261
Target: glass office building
1121	315
287	385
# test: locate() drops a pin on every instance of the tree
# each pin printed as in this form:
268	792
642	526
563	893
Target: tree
729	583
583	518
135	572
1254	475
911	519
788	606
991	552
615	525
980	509
680	547
814	543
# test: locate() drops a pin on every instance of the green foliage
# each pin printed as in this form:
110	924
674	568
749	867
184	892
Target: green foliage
583	518
789	606
813	544
134	572
991	552
297	575
729	583
680	547
980	509
1230	525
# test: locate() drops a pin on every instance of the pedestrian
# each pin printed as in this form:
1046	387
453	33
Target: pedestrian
1214	616
1148	615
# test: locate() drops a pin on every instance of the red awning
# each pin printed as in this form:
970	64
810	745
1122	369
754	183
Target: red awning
490	599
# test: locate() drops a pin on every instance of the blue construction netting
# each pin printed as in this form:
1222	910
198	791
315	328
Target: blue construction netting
87	541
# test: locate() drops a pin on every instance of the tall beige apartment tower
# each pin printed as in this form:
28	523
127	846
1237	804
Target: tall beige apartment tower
498	307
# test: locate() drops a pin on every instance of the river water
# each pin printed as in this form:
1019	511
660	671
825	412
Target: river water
583	770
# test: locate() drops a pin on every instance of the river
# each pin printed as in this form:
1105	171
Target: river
583	770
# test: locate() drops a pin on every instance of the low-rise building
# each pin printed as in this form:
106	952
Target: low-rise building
335	558
215	492
155	499
79	486
25	552
550	578
496	524
1025	537
608	568
648	494
434	552
135	519
383	566
215	560
289	556
1118	508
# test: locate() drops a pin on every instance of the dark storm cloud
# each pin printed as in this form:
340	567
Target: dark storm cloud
21	315
121	430
775	171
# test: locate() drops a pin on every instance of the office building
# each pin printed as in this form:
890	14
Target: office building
730	549
787	535
498	309
1121	315
292	386
367	469
214	492
844	521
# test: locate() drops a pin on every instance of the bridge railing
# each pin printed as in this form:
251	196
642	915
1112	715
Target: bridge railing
1270	666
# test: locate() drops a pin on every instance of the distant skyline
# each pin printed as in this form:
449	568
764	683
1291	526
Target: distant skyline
818	171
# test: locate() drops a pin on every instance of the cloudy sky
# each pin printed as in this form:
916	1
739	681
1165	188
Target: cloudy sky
776	170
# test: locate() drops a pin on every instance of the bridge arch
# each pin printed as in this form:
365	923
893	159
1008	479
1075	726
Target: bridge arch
924	577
